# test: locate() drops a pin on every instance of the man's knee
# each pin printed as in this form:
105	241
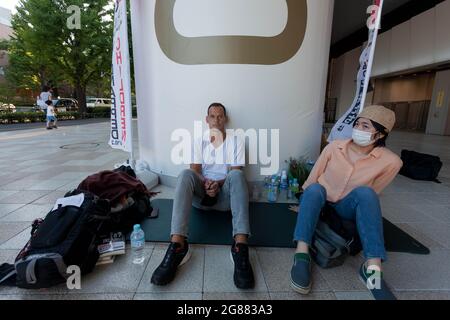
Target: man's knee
186	173
236	175
186	176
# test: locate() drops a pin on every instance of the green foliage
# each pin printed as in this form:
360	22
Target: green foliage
25	117
4	44
21	117
298	169
105	111
43	48
7	92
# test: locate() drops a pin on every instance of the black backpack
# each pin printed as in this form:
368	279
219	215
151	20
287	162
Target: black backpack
67	236
420	166
334	240
328	249
344	228
124	220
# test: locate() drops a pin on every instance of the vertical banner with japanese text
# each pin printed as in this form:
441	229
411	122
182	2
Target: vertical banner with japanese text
343	128
121	115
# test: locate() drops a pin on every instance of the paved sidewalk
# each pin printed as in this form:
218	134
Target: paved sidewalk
39	125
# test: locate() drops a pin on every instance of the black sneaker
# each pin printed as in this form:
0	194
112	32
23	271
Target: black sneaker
243	273
49	128
175	257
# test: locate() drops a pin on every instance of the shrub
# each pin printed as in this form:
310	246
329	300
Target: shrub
27	117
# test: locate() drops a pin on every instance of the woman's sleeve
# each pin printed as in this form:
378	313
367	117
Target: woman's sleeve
319	167
387	175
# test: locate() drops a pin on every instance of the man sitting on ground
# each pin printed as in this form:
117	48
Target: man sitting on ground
214	181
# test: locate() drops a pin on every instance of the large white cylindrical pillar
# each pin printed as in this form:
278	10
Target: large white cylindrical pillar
265	60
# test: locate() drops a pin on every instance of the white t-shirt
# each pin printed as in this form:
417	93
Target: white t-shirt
216	163
50	111
45	96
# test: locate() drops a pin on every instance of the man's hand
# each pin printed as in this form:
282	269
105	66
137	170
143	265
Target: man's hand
207	184
212	188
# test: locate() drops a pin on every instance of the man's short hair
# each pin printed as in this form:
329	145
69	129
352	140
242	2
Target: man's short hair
217	104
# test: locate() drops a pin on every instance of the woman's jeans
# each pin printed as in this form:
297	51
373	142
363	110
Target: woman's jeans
361	205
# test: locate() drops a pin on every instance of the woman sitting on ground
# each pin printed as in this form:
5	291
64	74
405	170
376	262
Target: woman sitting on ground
349	175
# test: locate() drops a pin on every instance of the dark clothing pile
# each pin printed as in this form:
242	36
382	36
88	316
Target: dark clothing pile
113	185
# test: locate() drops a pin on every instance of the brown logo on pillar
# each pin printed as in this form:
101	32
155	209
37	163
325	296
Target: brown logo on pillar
231	49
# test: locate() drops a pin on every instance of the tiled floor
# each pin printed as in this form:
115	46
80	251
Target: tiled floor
35	171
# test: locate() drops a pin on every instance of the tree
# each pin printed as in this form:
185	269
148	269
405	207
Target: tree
4	44
46	46
31	64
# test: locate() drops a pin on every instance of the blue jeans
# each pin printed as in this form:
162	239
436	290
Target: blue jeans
190	191
361	205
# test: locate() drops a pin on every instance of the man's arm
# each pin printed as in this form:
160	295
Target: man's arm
197	168
211	187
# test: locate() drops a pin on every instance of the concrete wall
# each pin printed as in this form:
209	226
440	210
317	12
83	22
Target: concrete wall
423	40
343	85
5	31
438	119
411	88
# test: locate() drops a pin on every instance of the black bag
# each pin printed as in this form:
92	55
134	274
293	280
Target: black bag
334	239
328	249
67	236
124	220
420	166
345	228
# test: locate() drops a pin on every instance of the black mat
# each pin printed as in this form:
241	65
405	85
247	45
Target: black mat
272	225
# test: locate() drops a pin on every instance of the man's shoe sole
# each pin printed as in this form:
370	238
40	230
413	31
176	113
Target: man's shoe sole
163	283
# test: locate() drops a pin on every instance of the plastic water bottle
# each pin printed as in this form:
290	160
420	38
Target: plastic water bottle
137	239
290	194
284	180
273	190
310	165
295	187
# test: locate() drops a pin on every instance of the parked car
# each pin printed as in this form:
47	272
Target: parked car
7	107
98	102
65	104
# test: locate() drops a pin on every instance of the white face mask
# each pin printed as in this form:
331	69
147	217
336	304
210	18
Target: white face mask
362	138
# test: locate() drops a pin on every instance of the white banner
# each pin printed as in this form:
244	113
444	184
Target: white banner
344	126
121	116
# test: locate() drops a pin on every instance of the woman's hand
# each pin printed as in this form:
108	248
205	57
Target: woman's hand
294	208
